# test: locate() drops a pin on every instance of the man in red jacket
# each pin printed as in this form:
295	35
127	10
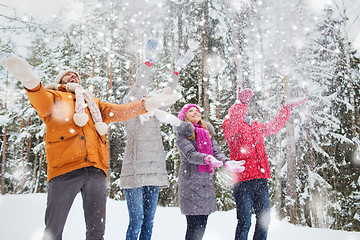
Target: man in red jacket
246	142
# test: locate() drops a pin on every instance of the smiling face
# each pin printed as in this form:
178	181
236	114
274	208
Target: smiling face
193	115
70	77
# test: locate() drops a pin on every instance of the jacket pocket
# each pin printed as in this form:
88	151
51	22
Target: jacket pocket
65	148
104	151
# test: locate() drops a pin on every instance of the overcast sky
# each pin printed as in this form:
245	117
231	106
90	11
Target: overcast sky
47	8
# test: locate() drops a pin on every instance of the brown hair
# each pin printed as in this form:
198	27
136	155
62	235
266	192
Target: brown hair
202	123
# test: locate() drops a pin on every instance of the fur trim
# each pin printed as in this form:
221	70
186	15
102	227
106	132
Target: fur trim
185	129
62	73
52	86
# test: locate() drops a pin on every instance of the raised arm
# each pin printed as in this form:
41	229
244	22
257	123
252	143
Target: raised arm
281	118
180	64
112	112
277	123
39	98
138	90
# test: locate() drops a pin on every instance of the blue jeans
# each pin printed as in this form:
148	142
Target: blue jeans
141	203
196	225
248	195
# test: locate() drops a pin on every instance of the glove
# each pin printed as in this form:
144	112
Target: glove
150	50
166	117
235	166
184	60
21	69
163	99
245	95
213	162
295	102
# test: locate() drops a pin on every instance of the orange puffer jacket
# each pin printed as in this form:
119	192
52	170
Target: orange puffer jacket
68	146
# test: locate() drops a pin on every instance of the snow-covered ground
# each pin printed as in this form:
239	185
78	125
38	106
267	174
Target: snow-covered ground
21	218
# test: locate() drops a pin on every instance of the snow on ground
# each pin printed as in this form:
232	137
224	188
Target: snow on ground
21	218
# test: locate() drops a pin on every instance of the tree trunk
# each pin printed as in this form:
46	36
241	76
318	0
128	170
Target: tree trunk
277	177
110	77
291	165
39	172
238	62
29	143
204	73
34	175
3	162
23	165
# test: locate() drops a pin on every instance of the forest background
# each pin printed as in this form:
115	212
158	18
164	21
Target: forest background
281	49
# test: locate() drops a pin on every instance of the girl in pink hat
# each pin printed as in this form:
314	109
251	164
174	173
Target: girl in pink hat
200	154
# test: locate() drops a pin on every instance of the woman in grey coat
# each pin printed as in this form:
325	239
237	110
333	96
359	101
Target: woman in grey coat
198	161
144	170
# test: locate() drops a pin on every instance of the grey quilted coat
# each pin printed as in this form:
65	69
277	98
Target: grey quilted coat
144	158
196	190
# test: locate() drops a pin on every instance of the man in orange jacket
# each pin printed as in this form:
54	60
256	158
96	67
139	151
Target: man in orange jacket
76	145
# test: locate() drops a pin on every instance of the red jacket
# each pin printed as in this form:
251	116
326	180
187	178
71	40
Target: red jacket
246	142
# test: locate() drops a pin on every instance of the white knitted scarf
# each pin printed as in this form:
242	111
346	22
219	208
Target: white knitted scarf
80	117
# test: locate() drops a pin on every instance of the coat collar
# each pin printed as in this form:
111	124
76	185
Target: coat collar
55	86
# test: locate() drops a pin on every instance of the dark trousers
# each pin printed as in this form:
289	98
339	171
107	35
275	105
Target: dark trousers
91	182
196	225
248	195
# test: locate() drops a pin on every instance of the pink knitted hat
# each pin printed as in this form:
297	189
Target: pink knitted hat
184	110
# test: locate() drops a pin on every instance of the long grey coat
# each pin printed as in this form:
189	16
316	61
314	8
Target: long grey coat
144	158
196	189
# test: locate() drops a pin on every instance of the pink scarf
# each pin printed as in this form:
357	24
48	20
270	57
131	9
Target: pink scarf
203	145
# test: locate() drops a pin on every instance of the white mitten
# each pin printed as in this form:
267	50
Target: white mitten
212	161
163	99
146	117
166	117
184	60
21	69
235	166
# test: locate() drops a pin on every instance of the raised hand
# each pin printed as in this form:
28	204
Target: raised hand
245	95
184	60
21	69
